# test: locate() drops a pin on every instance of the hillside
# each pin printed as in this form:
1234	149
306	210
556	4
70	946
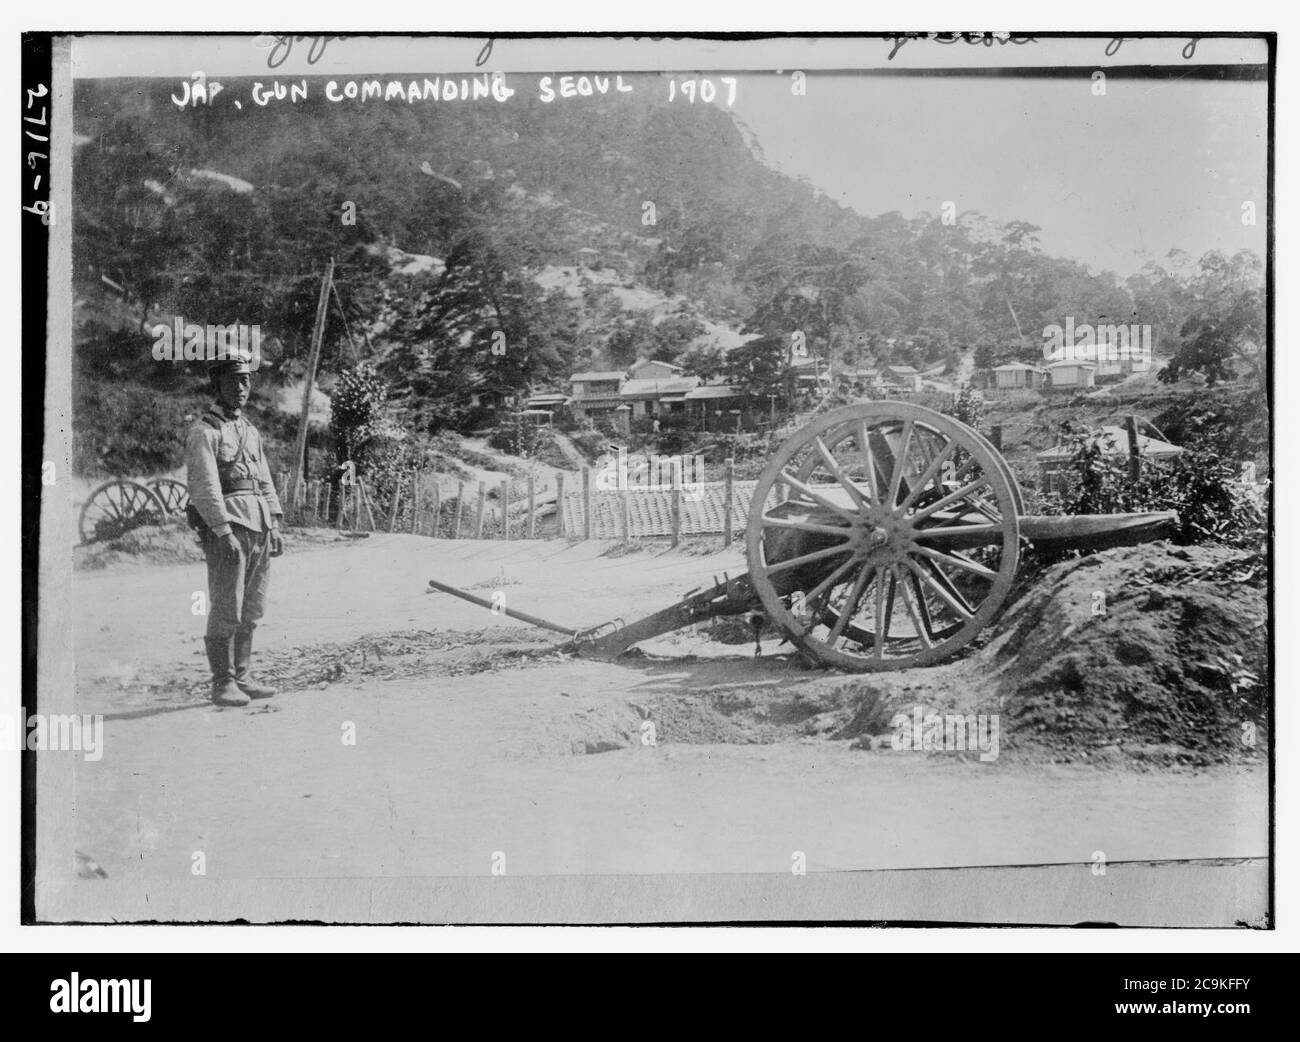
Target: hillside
485	248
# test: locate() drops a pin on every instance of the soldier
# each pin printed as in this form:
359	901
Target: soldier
232	493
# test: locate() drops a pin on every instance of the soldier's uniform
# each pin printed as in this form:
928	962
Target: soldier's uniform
230	487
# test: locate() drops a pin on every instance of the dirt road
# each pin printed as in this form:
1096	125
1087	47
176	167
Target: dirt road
545	760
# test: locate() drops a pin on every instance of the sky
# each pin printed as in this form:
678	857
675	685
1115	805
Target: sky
1113	179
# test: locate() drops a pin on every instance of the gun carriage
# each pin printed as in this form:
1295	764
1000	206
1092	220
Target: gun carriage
883	535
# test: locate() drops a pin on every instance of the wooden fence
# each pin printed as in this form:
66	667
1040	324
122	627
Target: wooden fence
522	509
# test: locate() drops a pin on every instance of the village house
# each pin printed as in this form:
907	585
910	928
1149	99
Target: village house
647	390
1071	375
712	399
648	369
491	398
904	377
863	382
653	388
1017	376
811	373
595	393
1054	463
545	405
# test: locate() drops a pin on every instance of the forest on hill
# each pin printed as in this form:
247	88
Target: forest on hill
440	219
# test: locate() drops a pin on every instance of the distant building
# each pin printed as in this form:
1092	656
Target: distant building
545	404
1069	374
1054	463
712	399
647	369
864	382
811	373
648	389
1017	376
491	398
653	397
595	393
902	376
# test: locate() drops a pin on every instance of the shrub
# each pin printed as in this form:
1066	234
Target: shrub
590	442
517	435
356	408
1212	500
967	406
122	430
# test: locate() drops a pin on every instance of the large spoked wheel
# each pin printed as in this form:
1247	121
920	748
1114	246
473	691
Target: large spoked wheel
116	507
174	495
884	535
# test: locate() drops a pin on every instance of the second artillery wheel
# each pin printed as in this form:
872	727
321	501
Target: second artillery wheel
116	507
884	535
174	495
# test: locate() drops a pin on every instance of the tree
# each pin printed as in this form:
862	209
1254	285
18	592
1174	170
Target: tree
758	368
968	407
1227	321
630	340
356	409
705	360
480	325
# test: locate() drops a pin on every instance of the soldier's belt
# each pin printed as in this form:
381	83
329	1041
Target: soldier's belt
231	487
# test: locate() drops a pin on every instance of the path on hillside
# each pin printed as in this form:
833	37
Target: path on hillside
569	450
505	466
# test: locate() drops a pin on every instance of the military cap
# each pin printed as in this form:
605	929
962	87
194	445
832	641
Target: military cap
231	364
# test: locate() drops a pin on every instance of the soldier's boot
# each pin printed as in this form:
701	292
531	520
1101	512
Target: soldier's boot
243	645
225	692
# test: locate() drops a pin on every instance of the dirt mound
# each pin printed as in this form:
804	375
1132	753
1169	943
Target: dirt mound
1154	654
1155	650
169	543
756	703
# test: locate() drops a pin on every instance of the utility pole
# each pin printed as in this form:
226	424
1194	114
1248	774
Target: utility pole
1019	332
309	381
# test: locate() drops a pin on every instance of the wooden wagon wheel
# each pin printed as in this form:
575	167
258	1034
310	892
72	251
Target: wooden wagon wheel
116	507
884	535
1005	467
174	495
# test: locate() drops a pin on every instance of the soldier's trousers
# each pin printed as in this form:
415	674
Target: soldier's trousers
237	589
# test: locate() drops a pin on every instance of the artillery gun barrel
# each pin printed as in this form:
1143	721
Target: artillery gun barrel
522	616
1098	531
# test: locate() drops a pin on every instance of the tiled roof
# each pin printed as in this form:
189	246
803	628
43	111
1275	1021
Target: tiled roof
1113	441
654	388
647	364
715	391
651	511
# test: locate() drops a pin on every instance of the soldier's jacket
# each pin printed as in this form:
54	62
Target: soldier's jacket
228	475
